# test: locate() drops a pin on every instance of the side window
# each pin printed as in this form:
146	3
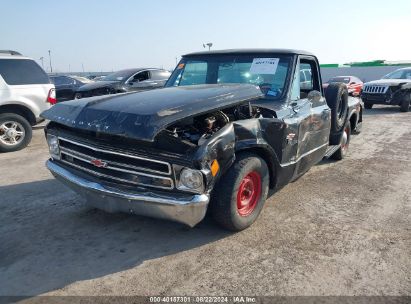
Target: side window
159	75
67	80
306	83
312	76
142	76
194	73
22	71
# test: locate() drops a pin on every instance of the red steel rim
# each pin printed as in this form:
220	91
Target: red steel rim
248	193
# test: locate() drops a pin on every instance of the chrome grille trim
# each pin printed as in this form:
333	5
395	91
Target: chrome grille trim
375	89
122	154
116	178
114	166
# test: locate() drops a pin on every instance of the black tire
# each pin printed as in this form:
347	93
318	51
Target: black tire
367	105
232	188
405	105
6	145
344	144
337	99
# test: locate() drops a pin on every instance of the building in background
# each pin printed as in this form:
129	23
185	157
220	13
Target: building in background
366	71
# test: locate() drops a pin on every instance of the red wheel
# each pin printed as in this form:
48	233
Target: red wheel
240	194
248	193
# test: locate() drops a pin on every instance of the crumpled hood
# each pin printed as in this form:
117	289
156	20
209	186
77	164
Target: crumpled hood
388	82
142	115
97	85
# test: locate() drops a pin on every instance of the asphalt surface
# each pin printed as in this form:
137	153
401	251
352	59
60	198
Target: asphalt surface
342	229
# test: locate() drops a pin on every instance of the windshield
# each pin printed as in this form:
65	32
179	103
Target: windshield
268	71
118	76
340	79
399	74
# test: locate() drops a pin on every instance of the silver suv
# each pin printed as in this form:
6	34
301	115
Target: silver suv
25	92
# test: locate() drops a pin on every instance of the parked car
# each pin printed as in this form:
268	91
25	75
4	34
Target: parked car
66	86
25	92
354	84
392	89
228	126
125	81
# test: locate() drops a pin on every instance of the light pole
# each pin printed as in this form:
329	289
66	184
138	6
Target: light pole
42	62
51	67
210	44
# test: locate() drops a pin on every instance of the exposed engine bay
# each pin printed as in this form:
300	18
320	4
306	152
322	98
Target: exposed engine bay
198	129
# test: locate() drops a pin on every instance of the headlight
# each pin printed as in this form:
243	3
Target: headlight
191	180
53	143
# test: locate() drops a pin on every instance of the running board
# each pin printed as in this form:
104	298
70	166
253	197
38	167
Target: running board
331	150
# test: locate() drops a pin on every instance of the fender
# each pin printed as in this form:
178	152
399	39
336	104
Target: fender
240	136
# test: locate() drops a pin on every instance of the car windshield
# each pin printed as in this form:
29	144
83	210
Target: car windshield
399	74
118	76
340	79
268	71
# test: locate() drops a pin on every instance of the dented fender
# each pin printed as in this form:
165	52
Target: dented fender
263	136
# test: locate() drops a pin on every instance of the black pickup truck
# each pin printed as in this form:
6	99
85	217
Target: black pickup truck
228	126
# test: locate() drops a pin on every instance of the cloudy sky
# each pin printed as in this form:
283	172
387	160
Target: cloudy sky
110	35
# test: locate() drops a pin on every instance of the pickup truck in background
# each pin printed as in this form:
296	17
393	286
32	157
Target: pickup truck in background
228	126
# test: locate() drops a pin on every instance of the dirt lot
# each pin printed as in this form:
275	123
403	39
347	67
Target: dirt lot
344	228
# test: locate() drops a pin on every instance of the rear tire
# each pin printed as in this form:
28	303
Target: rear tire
15	132
240	194
405	105
368	105
337	99
344	144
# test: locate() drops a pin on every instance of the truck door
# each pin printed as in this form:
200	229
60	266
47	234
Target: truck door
312	114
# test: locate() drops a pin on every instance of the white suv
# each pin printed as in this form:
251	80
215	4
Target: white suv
25	92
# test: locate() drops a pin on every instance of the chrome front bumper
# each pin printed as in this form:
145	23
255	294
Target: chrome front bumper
190	210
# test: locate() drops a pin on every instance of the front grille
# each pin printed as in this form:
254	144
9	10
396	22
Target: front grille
116	165
375	89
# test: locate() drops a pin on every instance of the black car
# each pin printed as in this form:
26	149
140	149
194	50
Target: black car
228	126
392	89
125	81
66	86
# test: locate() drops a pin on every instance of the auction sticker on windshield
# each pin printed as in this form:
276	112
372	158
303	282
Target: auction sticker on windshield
264	66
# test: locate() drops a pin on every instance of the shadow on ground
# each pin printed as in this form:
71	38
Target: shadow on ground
383	110
49	239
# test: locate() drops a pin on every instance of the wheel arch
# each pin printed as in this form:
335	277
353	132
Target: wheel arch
268	156
20	110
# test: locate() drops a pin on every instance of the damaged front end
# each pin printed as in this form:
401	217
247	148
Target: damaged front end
156	153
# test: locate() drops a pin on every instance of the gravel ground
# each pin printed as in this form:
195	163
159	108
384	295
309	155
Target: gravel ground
341	229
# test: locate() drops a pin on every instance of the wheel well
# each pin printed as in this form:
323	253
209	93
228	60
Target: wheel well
20	110
268	158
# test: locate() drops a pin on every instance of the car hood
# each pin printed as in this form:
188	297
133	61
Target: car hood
143	115
97	85
389	82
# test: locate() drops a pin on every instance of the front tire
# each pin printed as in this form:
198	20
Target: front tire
241	193
15	132
368	106
405	105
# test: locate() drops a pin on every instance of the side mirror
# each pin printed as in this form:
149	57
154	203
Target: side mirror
314	96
